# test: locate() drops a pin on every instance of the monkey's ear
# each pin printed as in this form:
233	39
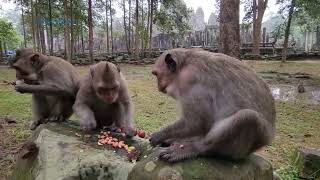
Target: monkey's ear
171	63
35	60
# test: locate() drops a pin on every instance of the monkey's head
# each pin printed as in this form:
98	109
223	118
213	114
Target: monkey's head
106	81
27	63
166	70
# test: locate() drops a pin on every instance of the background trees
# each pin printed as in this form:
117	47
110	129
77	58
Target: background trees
68	27
229	41
8	36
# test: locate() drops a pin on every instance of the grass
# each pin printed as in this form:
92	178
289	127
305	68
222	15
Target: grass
297	123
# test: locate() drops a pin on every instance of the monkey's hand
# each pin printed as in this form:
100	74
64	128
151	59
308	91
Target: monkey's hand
156	139
88	125
130	132
21	88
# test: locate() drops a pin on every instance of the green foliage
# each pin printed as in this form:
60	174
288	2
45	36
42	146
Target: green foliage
173	17
288	173
8	34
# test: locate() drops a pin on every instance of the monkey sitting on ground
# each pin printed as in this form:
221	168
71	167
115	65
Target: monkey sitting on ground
226	109
103	99
52	81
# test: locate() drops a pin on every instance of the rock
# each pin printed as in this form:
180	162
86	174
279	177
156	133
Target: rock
10	120
63	152
254	167
55	152
308	162
119	59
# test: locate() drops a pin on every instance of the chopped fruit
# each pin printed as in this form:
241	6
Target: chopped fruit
105	138
131	148
141	133
133	156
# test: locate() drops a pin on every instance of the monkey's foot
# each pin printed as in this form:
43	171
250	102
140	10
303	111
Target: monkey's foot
179	152
34	124
56	118
156	139
111	128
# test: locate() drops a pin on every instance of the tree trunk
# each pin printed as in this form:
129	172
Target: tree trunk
81	29
148	22
318	37
33	25
111	35
67	48
1	51
287	32
82	40
229	41
258	12
150	28
129	27
107	24
71	31
47	37
23	26
125	27
50	26
136	52
38	41
58	42
142	20
42	39
90	25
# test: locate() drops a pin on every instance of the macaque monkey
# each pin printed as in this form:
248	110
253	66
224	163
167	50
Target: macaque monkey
226	109
103	99
52	81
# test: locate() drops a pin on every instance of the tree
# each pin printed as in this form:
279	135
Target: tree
8	36
23	26
229	40
125	27
50	26
173	18
287	31
107	24
112	12
136	41
90	25
258	9
153	5
67	45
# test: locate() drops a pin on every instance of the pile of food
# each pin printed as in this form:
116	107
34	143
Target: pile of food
106	138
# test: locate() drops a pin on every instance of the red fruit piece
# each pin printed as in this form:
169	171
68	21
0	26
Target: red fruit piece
141	133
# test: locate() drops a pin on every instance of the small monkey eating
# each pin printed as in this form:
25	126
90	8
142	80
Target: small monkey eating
103	99
52	81
226	109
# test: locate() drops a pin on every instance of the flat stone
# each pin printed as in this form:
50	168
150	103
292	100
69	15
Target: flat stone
308	162
253	167
150	166
62	155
